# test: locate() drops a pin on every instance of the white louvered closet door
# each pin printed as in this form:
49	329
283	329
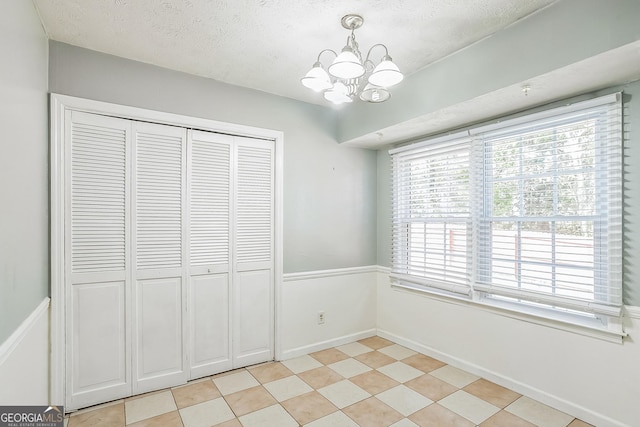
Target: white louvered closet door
209	252
159	242
97	259
253	301
169	255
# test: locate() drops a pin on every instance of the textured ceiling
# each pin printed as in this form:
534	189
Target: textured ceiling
269	44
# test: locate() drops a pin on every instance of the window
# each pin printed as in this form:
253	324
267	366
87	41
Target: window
526	211
432	215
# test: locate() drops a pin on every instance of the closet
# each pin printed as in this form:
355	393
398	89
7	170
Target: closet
168	255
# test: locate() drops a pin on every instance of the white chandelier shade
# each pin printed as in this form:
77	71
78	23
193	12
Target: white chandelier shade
349	76
386	74
317	79
346	65
338	94
373	93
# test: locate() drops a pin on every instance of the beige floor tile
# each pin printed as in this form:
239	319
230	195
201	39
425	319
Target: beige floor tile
273	416
375	359
506	419
374	382
309	407
431	387
231	423
400	372
329	356
108	416
227	373
349	367
206	414
538	413
100	406
579	423
235	382
454	376
195	393
287	388
469	406
170	419
337	419
436	415
492	393
397	351
404	400
354	349
343	393
302	364
372	412
143	395
270	372
405	422
320	377
424	363
370	380
376	342
249	400
149	406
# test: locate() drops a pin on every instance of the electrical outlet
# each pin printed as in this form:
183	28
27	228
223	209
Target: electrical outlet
320	317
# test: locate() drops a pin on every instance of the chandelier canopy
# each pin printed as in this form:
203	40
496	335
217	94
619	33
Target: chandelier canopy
350	76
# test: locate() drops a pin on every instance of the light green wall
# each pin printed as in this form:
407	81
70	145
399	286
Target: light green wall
631	212
329	189
562	34
24	191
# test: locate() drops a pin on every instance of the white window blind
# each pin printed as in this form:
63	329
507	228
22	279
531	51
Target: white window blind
432	214
550	228
528	210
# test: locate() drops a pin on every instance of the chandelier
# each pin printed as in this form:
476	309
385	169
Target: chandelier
350	76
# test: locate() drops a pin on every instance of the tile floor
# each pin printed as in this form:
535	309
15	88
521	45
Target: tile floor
372	382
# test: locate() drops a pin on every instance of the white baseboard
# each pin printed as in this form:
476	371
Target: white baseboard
346	339
24	361
578	411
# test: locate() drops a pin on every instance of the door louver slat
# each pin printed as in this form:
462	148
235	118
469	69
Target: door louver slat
98	171
158	200
210	186
254	204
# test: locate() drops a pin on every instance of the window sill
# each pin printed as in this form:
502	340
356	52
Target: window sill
566	322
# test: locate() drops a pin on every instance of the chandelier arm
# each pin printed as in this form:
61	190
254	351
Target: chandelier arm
326	50
386	52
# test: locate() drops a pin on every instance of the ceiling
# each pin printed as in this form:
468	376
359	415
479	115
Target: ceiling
269	45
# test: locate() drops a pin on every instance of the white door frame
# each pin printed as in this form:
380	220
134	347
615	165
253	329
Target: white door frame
60	104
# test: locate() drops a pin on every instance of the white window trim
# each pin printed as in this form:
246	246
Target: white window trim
609	330
59	106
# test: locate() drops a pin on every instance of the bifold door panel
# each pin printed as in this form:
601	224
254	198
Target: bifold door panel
168	255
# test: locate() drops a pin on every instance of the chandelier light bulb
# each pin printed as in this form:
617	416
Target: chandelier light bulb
374	94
